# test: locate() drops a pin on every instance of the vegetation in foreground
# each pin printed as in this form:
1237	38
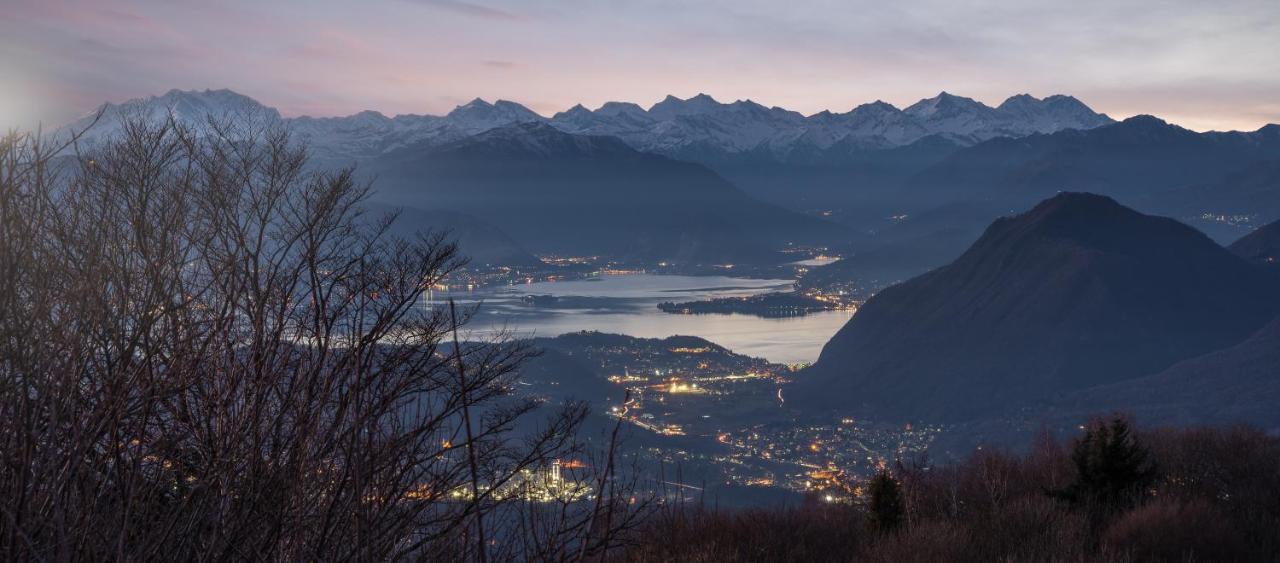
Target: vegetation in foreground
1162	495
209	352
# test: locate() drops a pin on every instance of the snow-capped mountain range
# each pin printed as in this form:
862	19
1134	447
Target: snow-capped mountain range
697	128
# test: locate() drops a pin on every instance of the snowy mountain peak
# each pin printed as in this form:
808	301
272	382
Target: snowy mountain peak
479	115
1050	114
577	118
516	109
1019	100
696	127
191	108
753	108
612	109
474	104
945	103
877	107
1066	102
196	105
535	139
578	111
672	106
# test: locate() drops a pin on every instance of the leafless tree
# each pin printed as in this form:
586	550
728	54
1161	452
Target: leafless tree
209	351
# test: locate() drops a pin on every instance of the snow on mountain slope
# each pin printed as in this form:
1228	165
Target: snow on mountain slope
700	125
191	108
698	128
478	115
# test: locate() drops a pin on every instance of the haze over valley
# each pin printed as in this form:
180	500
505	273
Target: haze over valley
938	264
726	281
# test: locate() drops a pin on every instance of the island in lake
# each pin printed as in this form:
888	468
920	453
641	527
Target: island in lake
776	304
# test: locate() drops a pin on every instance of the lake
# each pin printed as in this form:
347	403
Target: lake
816	261
627	304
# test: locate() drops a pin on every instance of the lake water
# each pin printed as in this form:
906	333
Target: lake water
627	304
818	261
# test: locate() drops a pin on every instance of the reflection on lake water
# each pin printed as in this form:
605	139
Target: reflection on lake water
628	305
816	261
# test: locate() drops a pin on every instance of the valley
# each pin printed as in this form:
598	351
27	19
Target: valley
920	267
498	281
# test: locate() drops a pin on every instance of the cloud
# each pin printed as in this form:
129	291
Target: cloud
471	9
1208	65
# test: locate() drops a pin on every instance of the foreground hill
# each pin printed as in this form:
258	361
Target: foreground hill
580	194
1078	292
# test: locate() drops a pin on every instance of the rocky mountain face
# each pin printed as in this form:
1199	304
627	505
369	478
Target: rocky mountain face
1076	293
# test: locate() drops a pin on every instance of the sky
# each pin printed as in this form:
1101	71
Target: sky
1201	64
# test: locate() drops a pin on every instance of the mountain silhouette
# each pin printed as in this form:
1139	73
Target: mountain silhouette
1261	246
549	189
1142	161
1238	384
1077	292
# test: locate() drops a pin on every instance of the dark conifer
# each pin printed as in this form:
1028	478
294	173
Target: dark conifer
1112	467
884	511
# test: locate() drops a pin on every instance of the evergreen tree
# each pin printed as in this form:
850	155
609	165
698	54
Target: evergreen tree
1112	467
884	511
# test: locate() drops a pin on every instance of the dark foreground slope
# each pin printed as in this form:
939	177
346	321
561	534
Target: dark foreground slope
1078	292
563	193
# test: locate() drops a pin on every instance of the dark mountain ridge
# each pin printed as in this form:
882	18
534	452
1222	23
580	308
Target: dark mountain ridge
1262	246
587	194
1142	161
1078	292
1235	385
482	243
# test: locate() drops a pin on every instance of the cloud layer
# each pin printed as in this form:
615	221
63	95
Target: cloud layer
1205	65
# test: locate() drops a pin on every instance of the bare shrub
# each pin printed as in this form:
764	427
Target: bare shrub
930	541
1174	530
1215	500
208	351
814	532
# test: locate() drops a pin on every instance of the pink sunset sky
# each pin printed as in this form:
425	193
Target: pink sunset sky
1204	65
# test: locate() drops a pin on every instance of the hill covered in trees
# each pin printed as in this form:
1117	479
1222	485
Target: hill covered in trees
1078	292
